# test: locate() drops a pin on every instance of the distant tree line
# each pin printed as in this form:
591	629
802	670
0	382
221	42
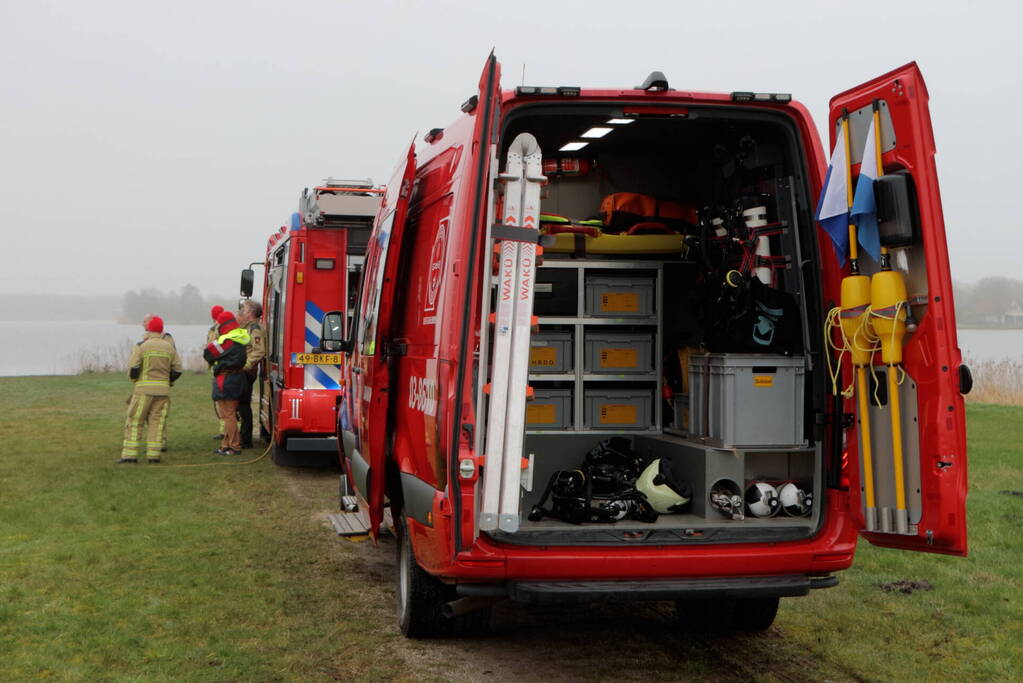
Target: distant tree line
991	302
184	306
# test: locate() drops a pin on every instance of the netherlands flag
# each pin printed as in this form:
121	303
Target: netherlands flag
833	207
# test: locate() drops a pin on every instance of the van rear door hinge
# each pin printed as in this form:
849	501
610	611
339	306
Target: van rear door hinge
396	349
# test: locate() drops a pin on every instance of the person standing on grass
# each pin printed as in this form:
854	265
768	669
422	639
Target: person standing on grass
154	366
211	336
249	313
166	337
226	357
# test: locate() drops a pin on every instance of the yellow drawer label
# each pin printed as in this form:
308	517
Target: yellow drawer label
541	413
763	380
543	356
611	413
618	358
619	302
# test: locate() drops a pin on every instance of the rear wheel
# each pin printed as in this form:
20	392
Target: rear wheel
754	614
707	614
727	614
421	597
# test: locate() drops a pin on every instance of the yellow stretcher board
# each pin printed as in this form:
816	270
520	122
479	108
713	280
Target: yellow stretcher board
569	243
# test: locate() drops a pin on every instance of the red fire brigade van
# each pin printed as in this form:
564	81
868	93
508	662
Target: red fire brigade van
654	418
311	266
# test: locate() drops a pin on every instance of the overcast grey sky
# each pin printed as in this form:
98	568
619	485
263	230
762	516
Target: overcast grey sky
157	144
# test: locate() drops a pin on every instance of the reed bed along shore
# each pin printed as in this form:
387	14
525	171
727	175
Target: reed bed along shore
114	358
996	381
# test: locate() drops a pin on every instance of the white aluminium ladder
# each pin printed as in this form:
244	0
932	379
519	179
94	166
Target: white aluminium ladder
506	415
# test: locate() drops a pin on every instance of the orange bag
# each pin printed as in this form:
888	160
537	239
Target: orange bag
622	210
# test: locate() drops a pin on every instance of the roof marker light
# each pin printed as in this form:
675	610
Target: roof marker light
620	122
596	132
573	146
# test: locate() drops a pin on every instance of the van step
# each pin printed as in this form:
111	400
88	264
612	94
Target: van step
348	523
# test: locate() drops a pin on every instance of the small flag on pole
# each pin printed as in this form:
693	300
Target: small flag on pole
833	207
864	210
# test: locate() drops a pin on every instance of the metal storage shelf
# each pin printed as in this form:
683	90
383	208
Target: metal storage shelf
594	320
589	377
580	322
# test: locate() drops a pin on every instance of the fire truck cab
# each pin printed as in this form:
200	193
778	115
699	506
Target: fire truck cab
678	233
311	266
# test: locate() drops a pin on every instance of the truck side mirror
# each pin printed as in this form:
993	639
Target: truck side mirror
332	333
248	278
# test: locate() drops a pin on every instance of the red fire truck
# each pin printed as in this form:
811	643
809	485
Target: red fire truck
311	266
676	406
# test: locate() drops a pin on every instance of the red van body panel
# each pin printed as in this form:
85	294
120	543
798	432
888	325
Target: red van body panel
430	411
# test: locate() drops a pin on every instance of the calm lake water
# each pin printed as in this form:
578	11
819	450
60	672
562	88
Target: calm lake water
58	348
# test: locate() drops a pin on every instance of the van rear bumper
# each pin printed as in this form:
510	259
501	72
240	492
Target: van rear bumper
546	592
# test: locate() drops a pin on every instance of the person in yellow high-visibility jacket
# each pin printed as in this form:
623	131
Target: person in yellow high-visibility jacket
153	367
211	336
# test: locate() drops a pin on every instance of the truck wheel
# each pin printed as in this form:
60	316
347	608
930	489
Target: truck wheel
420	595
707	614
754	614
283	457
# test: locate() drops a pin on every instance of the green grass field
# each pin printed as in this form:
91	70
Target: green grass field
229	573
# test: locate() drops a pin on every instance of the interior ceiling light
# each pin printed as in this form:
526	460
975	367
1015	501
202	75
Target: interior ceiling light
573	146
620	122
596	132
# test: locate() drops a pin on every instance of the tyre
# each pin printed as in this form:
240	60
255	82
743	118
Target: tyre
283	457
707	614
754	614
420	596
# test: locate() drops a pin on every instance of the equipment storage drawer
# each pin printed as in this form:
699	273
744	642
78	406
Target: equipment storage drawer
618	297
755	401
619	408
551	408
619	352
551	352
556	292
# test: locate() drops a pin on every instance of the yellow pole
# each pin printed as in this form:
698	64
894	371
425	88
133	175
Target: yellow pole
877	151
854	254
900	485
888	292
868	462
856	298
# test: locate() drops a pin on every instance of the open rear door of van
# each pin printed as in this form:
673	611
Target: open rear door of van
372	361
933	421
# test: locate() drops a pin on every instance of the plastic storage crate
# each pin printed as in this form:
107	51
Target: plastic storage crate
619	352
699	390
747	400
551	408
550	352
619	297
556	292
618	408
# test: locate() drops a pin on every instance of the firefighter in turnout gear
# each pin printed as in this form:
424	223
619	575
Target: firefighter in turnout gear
211	336
153	367
166	336
226	357
249	313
